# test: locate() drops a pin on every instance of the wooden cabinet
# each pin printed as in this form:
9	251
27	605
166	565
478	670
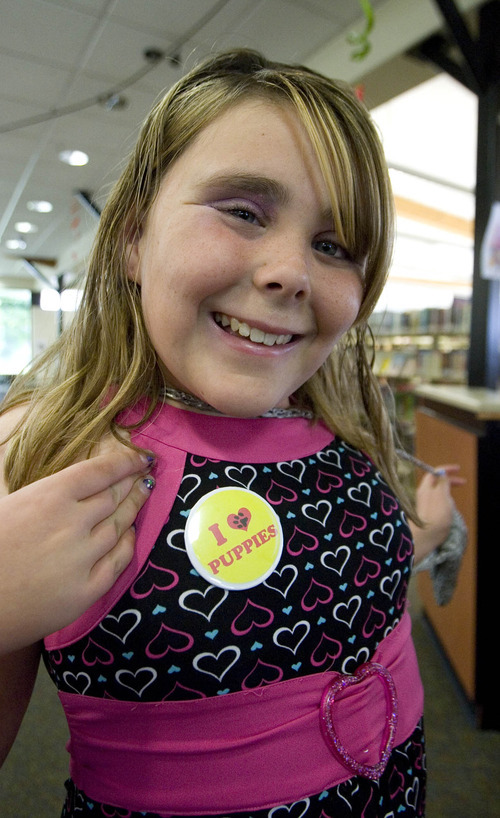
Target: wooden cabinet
462	425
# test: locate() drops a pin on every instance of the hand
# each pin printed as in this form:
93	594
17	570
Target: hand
65	539
435	508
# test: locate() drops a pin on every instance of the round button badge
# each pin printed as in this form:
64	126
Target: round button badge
233	538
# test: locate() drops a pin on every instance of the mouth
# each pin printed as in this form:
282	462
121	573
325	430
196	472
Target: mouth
254	334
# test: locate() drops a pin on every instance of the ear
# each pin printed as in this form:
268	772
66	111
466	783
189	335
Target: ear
133	235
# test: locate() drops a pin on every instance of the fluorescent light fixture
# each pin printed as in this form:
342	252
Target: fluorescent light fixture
16	244
40	206
76	158
50	300
70	299
25	227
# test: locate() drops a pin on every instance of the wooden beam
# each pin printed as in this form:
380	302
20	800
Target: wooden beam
425	214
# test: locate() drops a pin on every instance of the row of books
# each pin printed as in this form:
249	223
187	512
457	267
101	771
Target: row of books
453	319
422	364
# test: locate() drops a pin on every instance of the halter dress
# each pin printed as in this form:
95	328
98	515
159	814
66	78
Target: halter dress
165	634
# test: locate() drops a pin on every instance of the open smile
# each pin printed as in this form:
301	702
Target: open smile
258	336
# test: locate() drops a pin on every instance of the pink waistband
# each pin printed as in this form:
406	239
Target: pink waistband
248	750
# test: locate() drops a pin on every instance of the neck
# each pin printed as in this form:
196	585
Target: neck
196	404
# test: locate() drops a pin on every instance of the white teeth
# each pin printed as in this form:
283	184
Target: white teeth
255	335
243	329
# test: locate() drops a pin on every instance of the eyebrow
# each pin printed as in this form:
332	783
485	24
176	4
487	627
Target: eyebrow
262	186
249	183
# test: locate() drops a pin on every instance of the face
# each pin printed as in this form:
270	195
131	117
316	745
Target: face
244	289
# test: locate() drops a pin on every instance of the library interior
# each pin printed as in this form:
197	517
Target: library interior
81	78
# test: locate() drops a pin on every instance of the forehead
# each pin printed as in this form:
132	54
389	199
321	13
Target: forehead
254	116
255	136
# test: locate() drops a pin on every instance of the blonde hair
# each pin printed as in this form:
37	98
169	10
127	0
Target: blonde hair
105	362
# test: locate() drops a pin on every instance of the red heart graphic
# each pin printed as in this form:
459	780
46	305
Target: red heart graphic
241	520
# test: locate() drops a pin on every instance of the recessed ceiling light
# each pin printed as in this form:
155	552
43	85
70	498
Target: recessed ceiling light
25	227
40	206
16	244
74	157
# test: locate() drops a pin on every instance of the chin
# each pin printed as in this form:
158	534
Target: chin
241	409
238	411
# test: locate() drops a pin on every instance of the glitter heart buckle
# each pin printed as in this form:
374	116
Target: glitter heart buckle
330	698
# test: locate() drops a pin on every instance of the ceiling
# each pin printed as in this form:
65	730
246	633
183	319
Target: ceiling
62	63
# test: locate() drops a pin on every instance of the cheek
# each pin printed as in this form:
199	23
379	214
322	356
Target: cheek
339	308
353	306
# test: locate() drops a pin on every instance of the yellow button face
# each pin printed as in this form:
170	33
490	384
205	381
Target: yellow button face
233	538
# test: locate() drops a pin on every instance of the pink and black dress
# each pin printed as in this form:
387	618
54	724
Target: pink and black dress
299	696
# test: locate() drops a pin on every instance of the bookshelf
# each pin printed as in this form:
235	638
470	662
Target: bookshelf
428	345
439	357
414	347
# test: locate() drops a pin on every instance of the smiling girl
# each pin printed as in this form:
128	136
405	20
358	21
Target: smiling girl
255	658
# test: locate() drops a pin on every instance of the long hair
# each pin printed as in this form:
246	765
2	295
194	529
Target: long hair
104	362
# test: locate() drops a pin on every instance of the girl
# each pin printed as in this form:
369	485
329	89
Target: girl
255	656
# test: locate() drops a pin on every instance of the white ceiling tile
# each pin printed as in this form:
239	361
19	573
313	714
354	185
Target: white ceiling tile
94	7
33	34
280	31
169	18
29	81
120	53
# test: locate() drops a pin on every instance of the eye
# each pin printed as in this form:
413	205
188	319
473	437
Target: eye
241	210
331	248
244	214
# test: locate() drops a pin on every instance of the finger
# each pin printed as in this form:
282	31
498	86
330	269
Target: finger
101	506
90	477
450	471
109	530
449	468
108	567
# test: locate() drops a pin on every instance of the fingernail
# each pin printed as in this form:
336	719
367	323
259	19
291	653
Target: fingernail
149	483
148	458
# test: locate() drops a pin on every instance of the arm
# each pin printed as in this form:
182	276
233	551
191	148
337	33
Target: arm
17	670
64	540
435	508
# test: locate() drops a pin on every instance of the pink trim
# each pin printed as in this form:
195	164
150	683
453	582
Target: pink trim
170	434
243	751
241	440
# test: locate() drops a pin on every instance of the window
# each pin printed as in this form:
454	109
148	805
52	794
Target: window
15	331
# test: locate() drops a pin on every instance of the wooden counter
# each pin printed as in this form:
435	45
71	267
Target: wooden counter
462	425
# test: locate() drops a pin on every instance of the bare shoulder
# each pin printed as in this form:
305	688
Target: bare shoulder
8	422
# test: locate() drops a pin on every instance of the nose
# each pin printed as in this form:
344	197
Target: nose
284	274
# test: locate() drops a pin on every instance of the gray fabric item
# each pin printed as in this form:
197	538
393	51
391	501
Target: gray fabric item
444	562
